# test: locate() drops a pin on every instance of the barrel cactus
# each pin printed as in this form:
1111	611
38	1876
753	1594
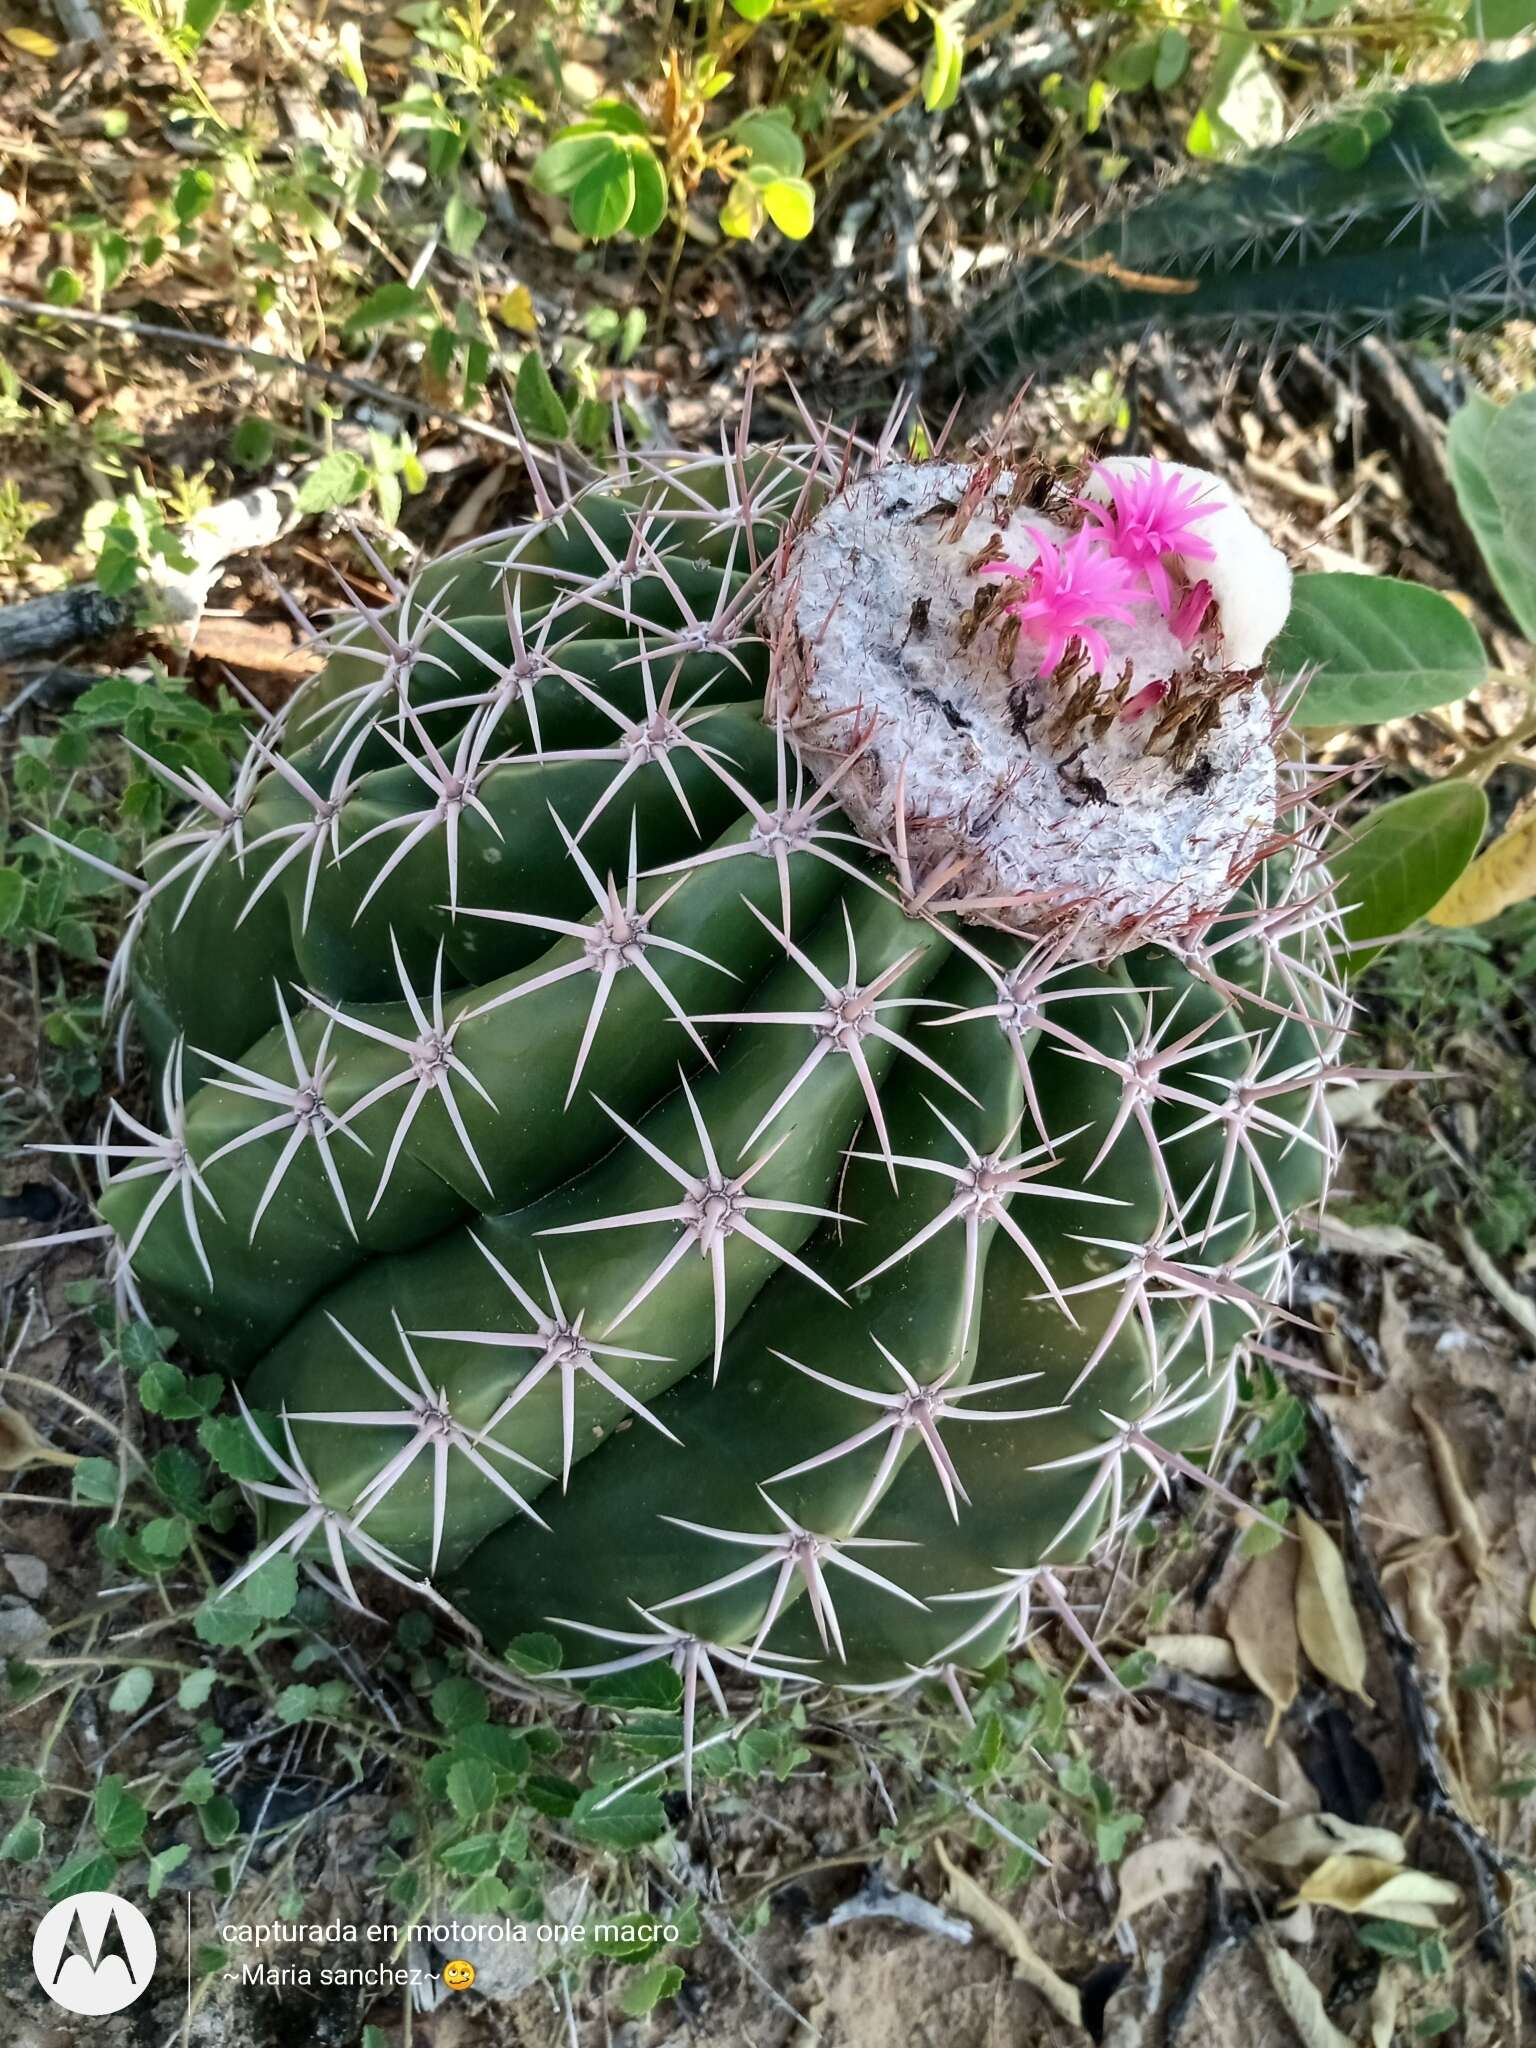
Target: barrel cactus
734	1074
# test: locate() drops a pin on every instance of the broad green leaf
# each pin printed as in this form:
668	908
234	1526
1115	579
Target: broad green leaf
769	135
390	303
627	1820
251	444
161	1866
791	206
1398	866
946	62
132	1690
1495	21
462	224
13	891
22	1843
1489	493
1497	880
618	117
573	153
1172	59
471	1787
19	1783
643	1994
337	479
89	1871
1131	67
119	1817
605	198
537	402
650	207
753	10
1382	649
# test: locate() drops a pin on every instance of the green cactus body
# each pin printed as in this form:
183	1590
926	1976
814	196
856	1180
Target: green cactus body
1401	216
657	1159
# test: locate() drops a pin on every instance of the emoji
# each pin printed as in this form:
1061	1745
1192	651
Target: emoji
458	1975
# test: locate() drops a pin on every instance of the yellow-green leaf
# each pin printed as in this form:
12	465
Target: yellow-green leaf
1504	875
1325	1616
1379	1890
791	206
30	42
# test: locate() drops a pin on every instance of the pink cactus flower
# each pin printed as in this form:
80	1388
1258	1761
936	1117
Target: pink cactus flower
1151	516
1189	613
1066	589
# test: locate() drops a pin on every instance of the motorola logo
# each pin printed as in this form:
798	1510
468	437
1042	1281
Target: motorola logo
94	1953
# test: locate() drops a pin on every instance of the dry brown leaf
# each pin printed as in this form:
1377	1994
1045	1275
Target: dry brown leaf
1386	2003
1261	1623
1378	1889
1385	1241
1326	1620
1200	1656
1302	2000
1307	1839
1000	1928
1454	1498
1519	1307
1157	1870
21	1446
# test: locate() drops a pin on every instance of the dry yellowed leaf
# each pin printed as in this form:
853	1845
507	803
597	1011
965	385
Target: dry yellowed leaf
1200	1656
1261	1623
31	42
1302	2000
515	309
1307	1839
1454	1498
1326	1620
1381	1890
1530	1607
1505	874
1157	1870
1386	2003
21	1446
1000	1928
1519	1307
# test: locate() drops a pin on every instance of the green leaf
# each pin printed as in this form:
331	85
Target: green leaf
460	1703
337	479
1130	69
1382	649
536	1654
232	1448
13	893
665	1980
462	224
196	1687
132	1690
537	401
87	1872
22	1843
391	303
768	134
119	1817
161	1866
1172	59
1400	863
297	1703
560	168
791	206
94	1483
627	1821
946	62
1495	21
267	1595
752	10
650	207
471	1787
19	1783
605	198
1490	497
219	1819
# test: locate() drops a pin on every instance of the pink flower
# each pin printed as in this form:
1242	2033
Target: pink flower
1066	589
1151	515
1188	614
